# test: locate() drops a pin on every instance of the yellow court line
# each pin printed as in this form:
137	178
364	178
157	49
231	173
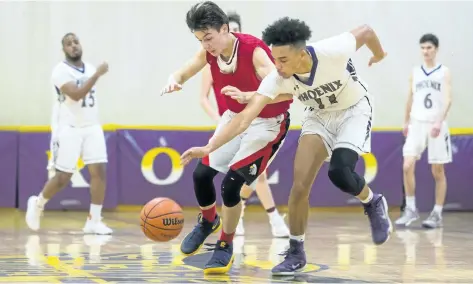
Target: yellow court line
114	127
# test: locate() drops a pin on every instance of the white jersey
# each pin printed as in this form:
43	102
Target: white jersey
332	83
428	93
67	111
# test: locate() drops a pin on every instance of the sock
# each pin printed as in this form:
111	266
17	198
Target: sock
228	238
369	198
209	214
438	209
243	200
271	210
41	200
297	238
411	202
272	213
95	212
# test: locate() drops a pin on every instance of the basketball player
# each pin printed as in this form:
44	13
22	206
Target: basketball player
278	227
75	132
428	103
239	60
337	122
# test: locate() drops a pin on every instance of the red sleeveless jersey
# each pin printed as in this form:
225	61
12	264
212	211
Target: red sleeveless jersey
244	78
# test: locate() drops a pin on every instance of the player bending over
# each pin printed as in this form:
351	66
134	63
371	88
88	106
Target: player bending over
75	132
337	122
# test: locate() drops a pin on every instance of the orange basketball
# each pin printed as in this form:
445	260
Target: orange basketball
162	219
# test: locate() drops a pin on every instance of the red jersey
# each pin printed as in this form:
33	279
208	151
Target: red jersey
243	77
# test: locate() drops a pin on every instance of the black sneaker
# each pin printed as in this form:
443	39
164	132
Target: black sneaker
221	260
195	239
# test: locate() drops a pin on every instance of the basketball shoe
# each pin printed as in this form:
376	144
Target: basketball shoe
195	239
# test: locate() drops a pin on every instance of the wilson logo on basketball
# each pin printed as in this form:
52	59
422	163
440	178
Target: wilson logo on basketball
172	221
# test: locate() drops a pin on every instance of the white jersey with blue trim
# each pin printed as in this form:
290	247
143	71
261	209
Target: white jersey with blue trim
428	92
67	111
331	85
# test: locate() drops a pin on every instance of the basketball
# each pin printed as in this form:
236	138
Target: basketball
161	219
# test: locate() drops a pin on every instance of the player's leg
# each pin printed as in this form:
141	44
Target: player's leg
258	146
279	228
412	150
440	153
208	220
354	138
94	151
245	194
65	150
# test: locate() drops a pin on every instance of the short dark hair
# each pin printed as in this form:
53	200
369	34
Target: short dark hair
66	35
287	31
205	15
234	17
430	38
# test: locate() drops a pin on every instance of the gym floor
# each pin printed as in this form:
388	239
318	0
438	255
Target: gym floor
338	246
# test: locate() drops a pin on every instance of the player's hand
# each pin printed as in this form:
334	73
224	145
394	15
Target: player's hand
236	94
436	129
102	69
171	86
376	59
194	152
405	129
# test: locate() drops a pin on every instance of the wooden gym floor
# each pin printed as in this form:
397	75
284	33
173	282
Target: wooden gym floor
338	247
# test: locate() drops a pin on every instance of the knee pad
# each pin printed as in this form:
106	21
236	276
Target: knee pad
342	171
231	187
204	189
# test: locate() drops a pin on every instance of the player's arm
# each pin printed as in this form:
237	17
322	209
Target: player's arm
191	68
268	90
207	82
365	35
68	85
410	97
448	95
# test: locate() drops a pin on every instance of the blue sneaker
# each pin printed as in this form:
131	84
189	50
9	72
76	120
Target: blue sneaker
195	239
221	260
294	261
381	226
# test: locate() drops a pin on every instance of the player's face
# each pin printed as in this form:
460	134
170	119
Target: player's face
234	27
288	59
212	40
429	51
72	48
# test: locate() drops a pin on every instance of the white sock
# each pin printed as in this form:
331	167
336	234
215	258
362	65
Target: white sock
95	212
41	200
438	209
297	238
411	202
273	214
369	198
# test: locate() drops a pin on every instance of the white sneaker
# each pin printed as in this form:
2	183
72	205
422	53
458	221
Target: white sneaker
33	213
279	227
240	230
407	217
433	221
96	227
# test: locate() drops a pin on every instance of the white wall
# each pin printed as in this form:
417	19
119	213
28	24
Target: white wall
144	42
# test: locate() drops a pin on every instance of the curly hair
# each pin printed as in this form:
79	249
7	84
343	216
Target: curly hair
287	31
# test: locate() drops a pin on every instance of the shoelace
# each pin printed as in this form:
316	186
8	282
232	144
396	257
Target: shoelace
288	252
200	220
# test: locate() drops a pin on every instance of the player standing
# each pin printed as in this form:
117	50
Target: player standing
428	103
239	60
337	122
75	132
278	227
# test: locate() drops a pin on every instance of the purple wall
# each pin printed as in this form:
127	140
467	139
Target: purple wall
144	164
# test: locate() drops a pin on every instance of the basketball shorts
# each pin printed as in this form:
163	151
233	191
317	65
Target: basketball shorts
349	128
68	144
251	152
439	149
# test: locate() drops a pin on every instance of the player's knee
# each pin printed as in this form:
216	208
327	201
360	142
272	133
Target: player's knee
262	177
408	165
341	171
300	190
438	172
62	179
231	186
203	184
97	172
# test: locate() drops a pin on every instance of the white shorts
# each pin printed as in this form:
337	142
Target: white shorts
68	144
349	128
418	137
251	152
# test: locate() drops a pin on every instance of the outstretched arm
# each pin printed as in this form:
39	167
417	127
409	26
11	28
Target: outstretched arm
365	35
206	86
